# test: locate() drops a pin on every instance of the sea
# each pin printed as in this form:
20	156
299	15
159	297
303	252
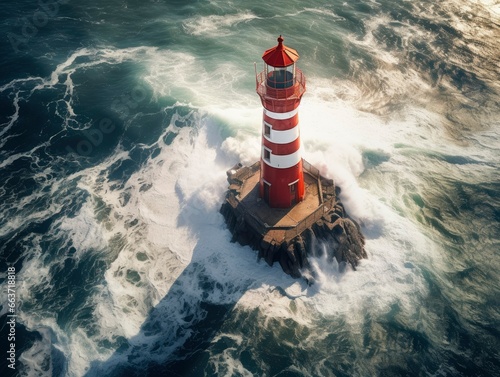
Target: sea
118	122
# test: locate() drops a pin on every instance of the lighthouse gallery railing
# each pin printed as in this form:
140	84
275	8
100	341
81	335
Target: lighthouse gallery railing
272	94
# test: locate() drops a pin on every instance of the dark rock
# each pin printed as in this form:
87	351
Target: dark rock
319	229
240	225
309	240
284	259
301	253
338	230
293	261
339	253
334	217
339	209
288	260
350	240
272	255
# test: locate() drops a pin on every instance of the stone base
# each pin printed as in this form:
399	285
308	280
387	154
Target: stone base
289	236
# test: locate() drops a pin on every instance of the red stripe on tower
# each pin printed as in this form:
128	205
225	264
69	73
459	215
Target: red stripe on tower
280	87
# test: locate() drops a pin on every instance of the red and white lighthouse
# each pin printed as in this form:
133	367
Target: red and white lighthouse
280	87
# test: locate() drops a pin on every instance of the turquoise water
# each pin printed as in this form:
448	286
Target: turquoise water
118	121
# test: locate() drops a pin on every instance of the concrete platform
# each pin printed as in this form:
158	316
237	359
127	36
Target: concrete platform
276	217
277	225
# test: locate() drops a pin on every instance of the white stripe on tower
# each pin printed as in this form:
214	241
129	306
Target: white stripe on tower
282	137
281	116
281	161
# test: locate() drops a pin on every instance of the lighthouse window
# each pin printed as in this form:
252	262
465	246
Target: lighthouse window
267	129
267	154
280	78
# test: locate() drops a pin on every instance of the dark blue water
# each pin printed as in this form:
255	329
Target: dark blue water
118	120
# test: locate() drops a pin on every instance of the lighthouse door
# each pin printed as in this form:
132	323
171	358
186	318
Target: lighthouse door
293	193
267	188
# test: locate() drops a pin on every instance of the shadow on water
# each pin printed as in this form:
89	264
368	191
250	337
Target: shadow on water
179	335
182	317
174	338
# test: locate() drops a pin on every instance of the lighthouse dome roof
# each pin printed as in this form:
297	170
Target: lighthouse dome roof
280	55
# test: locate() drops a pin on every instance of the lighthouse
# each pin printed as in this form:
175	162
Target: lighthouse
281	204
280	87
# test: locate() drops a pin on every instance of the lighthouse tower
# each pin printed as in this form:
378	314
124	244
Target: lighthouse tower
280	87
298	200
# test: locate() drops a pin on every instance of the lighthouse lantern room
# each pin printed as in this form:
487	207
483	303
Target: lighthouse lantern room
280	87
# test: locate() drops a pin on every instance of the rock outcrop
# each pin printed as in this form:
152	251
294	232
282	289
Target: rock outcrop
340	234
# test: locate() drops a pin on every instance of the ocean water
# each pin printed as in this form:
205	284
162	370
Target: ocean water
118	121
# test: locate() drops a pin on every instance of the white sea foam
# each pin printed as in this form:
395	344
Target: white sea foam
215	25
83	230
40	358
184	77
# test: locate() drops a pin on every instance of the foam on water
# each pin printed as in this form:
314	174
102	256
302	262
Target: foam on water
215	25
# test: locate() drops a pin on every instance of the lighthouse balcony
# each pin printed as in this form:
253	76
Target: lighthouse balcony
280	86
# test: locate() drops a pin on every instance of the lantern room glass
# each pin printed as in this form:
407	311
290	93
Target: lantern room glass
280	77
